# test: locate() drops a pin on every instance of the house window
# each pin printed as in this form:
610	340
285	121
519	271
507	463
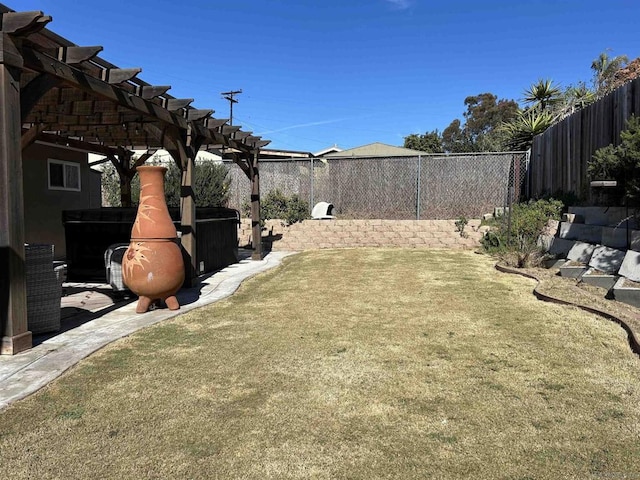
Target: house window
64	175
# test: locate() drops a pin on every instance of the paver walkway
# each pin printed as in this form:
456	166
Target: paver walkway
102	321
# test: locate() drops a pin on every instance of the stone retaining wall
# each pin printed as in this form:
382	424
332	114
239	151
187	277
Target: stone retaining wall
315	234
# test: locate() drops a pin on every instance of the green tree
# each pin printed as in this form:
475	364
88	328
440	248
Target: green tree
604	71
519	132
577	97
211	185
430	142
484	114
455	139
546	104
543	95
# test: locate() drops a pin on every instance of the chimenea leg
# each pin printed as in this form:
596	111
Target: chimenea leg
143	304
172	303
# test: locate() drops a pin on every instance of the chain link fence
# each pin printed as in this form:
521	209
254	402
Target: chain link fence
433	186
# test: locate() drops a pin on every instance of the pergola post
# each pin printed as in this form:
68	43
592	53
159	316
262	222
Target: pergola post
188	216
185	156
13	293
256	229
122	163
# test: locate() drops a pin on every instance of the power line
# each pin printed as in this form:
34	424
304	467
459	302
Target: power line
229	96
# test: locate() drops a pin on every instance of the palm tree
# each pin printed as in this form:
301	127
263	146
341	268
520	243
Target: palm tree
543	94
519	132
604	69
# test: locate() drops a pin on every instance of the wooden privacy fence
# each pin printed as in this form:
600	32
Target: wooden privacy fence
560	155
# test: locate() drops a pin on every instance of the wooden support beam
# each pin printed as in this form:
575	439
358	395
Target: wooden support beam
23	23
215	123
256	229
186	162
240	135
229	129
119	75
75	143
33	91
242	163
41	62
151	91
173	104
30	136
143	158
261	143
194	114
75	55
14	330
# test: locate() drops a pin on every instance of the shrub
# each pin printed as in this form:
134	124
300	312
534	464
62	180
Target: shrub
276	205
517	243
211	185
620	163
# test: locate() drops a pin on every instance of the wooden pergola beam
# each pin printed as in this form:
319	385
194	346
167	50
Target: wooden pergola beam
119	75
151	91
40	62
173	104
193	114
75	143
23	23
75	55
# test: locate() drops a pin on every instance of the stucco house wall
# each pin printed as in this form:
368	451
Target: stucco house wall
43	205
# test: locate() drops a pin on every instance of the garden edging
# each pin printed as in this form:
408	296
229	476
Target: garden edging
631	337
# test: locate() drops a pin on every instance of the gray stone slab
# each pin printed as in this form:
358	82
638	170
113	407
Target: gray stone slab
630	267
593	277
634	240
572	271
581	232
560	247
572	218
606	216
615	237
628	295
581	252
607	259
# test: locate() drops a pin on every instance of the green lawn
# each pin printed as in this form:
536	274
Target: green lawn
359	364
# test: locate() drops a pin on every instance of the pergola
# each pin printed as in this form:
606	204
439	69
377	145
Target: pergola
56	92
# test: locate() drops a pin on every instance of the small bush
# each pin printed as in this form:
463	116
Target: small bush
461	223
517	244
276	205
620	163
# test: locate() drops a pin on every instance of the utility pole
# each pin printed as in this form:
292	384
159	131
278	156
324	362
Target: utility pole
229	96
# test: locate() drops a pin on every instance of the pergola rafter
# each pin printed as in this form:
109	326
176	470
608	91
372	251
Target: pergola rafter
55	92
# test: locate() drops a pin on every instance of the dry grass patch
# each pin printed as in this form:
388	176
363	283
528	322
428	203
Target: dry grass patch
368	363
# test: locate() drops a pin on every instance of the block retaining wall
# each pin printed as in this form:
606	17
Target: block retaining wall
316	234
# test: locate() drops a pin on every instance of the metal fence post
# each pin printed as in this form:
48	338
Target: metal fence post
418	188
311	177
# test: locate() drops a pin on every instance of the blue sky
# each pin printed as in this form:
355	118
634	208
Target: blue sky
347	72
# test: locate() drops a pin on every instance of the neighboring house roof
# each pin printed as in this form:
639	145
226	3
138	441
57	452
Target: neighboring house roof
273	154
327	151
376	150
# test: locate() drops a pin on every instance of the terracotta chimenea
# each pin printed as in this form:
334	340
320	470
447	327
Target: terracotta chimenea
152	266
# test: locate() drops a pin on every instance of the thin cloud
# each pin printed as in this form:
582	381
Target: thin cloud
400	4
302	125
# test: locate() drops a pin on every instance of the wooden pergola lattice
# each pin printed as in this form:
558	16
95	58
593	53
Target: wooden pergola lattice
55	92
